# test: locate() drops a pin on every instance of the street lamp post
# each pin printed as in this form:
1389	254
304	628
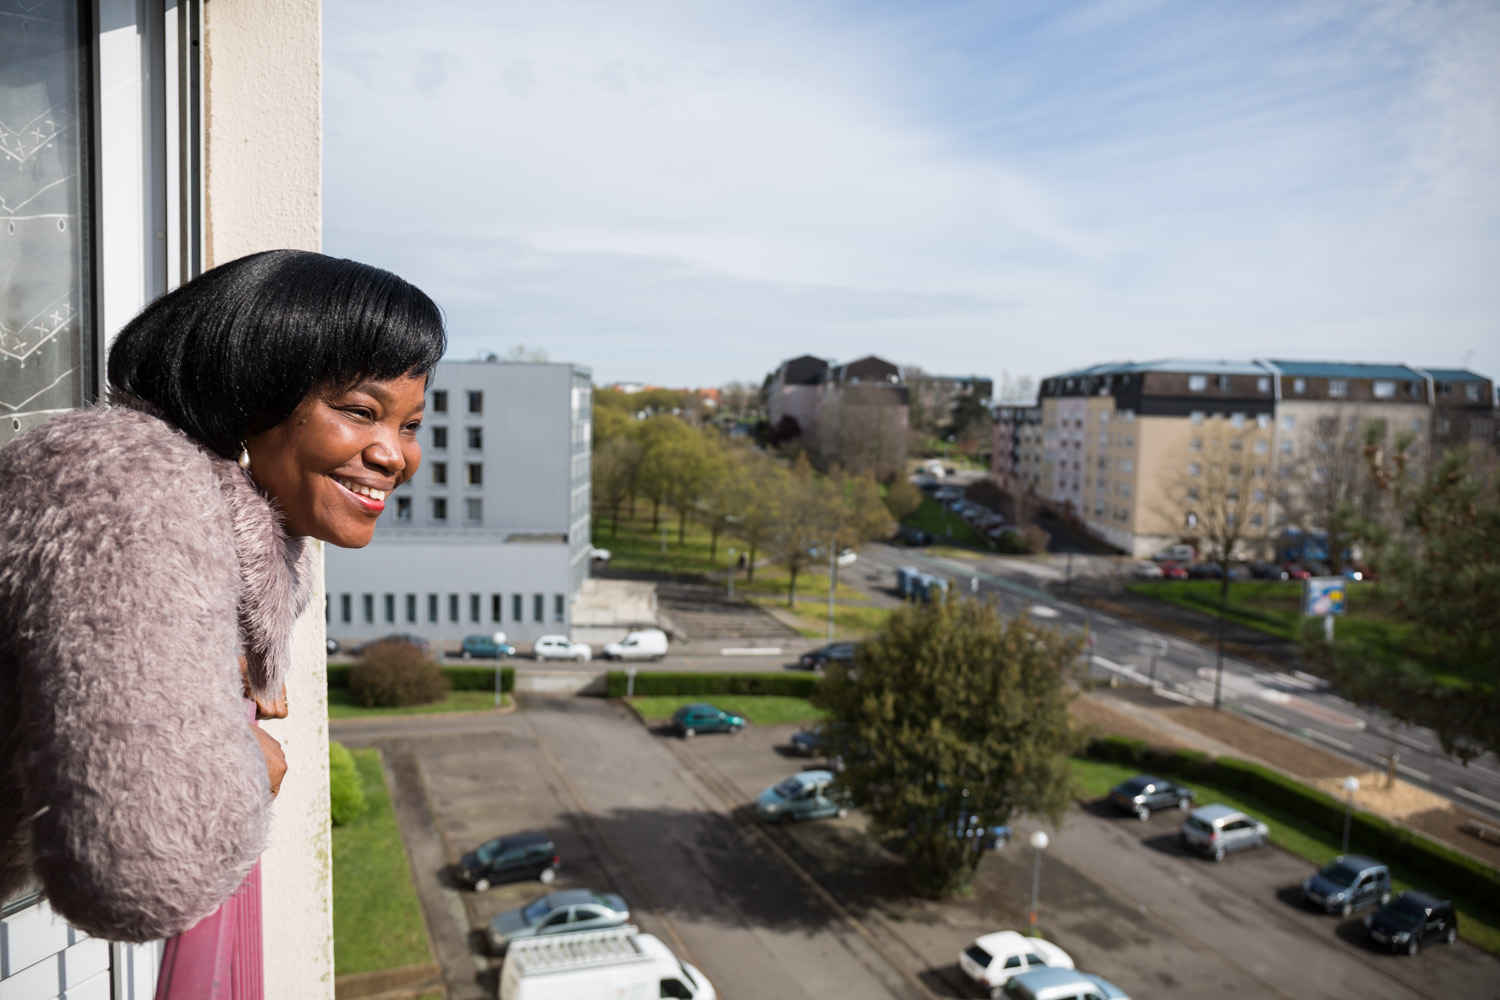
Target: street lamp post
499	640
1351	785
1219	656
1039	842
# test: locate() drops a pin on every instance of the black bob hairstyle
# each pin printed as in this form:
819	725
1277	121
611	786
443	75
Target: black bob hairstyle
234	351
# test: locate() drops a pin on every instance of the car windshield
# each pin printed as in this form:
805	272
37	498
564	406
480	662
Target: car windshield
1403	913
487	852
1135	786
979	955
789	789
688	975
537	910
1340	873
1199	825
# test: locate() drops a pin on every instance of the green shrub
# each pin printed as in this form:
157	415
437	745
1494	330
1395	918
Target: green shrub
479	678
396	675
338	675
346	794
677	683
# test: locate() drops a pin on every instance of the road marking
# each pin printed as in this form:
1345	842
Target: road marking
1041	611
1484	770
1270	717
751	651
1419	775
1312	679
1476	797
1174	696
1323	737
1404	740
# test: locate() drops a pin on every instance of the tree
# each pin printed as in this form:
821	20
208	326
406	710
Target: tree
688	462
616	465
804	514
950	713
659	437
1441	563
759	483
902	498
1329	490
970	420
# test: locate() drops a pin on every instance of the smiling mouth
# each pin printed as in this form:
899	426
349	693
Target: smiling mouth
368	496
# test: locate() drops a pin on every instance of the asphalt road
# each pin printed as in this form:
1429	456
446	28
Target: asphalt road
1293	703
817	909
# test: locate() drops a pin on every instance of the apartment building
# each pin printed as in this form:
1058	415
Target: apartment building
855	414
493	532
1143	454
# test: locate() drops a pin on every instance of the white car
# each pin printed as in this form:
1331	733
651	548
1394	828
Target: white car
560	647
1146	571
992	959
646	644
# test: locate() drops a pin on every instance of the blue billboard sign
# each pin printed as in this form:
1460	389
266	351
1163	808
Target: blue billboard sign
1324	595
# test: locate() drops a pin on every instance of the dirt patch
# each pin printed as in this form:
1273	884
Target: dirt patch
1451	825
1099	719
1254	740
1399	801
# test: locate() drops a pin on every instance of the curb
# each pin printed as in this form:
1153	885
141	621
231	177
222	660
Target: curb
406	716
388	984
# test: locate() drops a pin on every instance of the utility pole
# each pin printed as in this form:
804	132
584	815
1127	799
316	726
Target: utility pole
1219	657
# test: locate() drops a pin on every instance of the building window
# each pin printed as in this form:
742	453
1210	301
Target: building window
1263	384
1288	421
440	401
1237	421
1256	521
346	607
453	607
1384	390
439	509
559	608
1260	496
474	608
1225	383
440	437
1261	445
1471	392
1416	424
390	607
1286	447
440	473
368	600
1197	383
474	474
1440	425
1192	494
411	607
1260	472
432	607
473	510
538	607
1263	421
1234	470
476	401
1191	520
1194	469
1338	387
1196	418
495	605
1128	416
1299	385
1236	444
516	612
475	438
403	508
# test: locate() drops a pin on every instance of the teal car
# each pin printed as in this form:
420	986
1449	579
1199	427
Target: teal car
702	717
808	795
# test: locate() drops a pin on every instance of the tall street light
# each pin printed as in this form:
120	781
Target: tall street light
1039	842
1351	785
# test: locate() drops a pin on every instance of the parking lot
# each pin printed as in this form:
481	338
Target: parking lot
819	910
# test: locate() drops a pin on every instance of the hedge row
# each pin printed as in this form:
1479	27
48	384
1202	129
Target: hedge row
466	678
1391	843
674	683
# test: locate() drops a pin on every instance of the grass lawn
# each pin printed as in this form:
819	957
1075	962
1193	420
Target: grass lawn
340	707
932	516
1480	923
377	921
850	621
767	710
636	547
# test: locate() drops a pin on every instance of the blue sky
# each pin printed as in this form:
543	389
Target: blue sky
687	192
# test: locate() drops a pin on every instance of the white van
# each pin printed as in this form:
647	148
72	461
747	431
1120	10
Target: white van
616	964
647	644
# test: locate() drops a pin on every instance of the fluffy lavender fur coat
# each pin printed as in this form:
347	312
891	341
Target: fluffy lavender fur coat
134	565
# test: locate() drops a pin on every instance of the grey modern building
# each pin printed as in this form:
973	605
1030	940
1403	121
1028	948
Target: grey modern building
493	532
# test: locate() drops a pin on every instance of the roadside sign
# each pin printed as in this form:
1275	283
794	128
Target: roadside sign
1324	595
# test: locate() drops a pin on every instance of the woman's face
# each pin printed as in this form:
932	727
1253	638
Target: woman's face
332	464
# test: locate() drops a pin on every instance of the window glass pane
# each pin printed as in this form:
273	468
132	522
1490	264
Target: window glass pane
432	607
390	607
537	607
473	607
516	613
453	607
46	355
411	607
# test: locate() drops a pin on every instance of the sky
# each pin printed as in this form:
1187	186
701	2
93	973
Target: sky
688	192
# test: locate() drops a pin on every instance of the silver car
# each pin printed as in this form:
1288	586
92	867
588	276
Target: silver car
558	913
1216	830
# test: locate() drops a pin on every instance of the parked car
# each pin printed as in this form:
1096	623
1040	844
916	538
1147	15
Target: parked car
991	960
1217	830
645	644
333	647
1412	920
1268	571
806	795
564	912
1176	553
1211	571
1060	984
619	962
1174	571
1295	571
1145	793
484	647
907	535
560	647
1347	883
1147	571
701	717
510	858
409	639
600	555
834	652
810	742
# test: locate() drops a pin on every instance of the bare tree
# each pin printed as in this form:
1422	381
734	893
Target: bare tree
1328	491
1219	496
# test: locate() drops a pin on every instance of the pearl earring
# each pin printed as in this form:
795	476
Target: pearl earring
244	456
